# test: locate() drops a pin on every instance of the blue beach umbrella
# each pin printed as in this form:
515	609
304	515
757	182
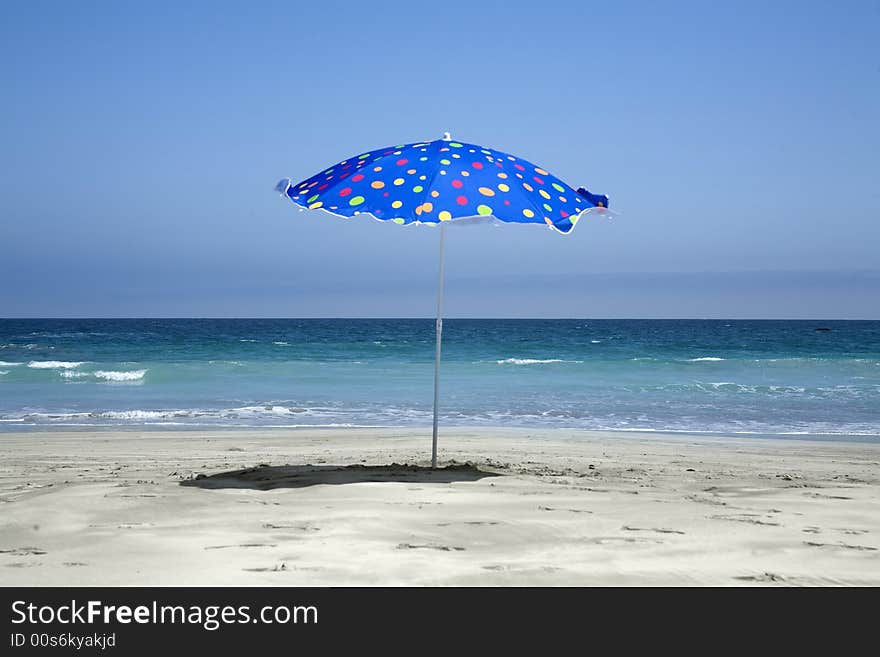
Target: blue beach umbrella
437	182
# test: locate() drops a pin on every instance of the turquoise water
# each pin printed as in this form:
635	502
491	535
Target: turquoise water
751	377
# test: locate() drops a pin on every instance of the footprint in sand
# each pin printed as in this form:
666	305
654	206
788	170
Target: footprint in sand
429	546
608	540
240	545
23	551
746	517
274	569
659	530
845	546
766	577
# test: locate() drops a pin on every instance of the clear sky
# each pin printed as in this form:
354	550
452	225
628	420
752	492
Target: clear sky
740	143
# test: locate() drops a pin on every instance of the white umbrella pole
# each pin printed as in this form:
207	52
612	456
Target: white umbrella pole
439	331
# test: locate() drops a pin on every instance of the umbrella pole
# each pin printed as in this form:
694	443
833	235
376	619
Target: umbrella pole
439	331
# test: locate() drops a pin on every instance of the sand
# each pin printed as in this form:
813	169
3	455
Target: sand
517	507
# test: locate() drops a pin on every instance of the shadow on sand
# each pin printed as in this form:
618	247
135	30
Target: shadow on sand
268	477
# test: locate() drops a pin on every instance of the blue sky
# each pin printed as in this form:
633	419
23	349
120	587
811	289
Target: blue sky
739	142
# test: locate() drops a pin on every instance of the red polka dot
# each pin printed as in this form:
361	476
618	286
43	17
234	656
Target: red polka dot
478	165
506	202
402	161
457	184
388	152
357	177
540	181
346	166
563	213
323	187
345	192
519	166
499	165
344	176
461	200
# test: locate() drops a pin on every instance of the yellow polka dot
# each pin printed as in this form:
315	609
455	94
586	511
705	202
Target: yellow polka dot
528	187
528	213
315	205
399	221
435	193
503	187
465	173
541	171
377	184
377	169
427	206
444	215
543	193
399	181
502	175
396	204
486	191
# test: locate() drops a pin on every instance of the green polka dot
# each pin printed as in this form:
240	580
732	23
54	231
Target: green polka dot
446	162
357	200
423	177
548	208
455	144
398	220
361	157
423	159
558	187
312	199
484	209
418	188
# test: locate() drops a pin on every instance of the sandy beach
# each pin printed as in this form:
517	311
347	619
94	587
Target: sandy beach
513	507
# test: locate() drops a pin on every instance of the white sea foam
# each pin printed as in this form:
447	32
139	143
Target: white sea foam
281	343
705	358
140	415
244	340
595	341
2	372
534	361
120	376
73	374
262	410
54	364
6	363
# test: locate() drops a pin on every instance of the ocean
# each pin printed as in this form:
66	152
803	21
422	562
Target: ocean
811	379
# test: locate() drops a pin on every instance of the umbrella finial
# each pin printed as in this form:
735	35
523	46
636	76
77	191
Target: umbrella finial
447	136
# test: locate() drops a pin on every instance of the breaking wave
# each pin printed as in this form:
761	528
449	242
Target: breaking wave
120	376
534	361
54	364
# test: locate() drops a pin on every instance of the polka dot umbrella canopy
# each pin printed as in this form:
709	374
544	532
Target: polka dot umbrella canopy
441	181
444	180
